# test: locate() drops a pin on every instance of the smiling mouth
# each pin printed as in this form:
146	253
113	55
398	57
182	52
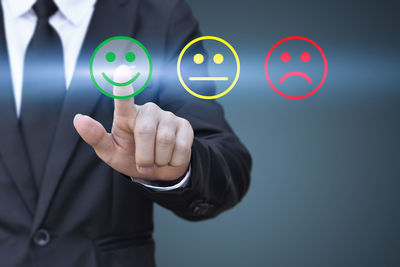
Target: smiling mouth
208	78
120	84
295	73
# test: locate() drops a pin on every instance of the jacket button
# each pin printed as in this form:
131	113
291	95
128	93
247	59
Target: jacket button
41	238
199	207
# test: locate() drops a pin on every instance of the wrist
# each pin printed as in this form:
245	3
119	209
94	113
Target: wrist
167	183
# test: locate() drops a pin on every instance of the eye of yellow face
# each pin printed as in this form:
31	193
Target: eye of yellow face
198	58
218	58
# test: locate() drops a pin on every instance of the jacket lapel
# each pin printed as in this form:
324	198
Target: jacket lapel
110	19
12	147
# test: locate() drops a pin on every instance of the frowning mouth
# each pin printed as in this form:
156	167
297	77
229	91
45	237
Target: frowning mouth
295	73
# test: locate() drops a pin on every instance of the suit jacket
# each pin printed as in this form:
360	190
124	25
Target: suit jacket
84	213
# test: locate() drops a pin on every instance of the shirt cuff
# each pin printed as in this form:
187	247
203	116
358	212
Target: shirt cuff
149	184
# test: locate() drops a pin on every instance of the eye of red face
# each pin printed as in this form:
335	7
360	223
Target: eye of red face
285	57
305	57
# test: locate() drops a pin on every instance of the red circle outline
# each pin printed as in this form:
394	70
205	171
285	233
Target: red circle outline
296	38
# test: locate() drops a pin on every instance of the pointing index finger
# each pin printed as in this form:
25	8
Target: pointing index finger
123	107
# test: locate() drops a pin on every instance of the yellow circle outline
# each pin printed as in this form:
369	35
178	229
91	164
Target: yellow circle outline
218	40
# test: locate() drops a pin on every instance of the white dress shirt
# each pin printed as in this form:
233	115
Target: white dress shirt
71	22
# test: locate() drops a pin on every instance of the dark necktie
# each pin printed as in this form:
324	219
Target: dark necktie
43	88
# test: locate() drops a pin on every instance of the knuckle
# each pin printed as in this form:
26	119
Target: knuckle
166	138
150	106
144	161
185	123
161	162
169	115
183	147
177	160
145	128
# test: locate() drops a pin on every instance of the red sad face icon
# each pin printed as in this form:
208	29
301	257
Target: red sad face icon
286	58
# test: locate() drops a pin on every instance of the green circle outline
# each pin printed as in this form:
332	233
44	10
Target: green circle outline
95	53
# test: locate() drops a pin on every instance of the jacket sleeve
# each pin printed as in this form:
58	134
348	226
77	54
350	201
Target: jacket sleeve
220	164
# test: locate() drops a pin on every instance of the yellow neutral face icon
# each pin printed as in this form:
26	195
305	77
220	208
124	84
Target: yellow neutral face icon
218	59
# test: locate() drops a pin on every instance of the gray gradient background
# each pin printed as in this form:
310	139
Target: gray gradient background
325	182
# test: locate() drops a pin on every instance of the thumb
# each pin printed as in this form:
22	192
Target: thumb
93	133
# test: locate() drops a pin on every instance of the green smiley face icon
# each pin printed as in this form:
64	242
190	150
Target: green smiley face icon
117	51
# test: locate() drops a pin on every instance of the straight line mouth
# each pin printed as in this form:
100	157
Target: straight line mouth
208	78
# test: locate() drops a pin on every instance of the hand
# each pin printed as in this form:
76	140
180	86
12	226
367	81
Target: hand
145	141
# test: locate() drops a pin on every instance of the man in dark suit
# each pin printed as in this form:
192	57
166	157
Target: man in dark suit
66	203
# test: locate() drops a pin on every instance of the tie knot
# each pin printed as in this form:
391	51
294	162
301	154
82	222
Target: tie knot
44	8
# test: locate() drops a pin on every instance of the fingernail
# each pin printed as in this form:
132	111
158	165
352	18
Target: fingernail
76	117
122	74
145	170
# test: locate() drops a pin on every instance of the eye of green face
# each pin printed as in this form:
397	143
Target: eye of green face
110	56
130	56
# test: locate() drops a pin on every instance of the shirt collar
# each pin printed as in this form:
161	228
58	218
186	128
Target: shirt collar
73	10
19	8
